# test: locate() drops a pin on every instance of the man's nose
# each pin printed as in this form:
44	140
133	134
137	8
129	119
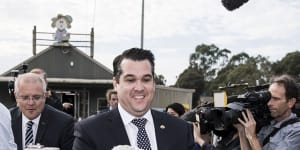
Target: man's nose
30	101
139	86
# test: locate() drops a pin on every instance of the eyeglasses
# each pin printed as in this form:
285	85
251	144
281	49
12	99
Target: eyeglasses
33	97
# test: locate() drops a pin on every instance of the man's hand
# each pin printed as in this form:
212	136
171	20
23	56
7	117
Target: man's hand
197	134
67	106
249	124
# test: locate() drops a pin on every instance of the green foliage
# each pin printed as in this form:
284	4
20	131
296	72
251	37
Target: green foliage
159	79
290	64
242	69
207	59
210	68
191	78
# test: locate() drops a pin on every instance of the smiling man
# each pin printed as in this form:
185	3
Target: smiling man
133	122
33	121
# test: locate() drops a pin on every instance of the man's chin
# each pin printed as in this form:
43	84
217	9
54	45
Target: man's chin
274	115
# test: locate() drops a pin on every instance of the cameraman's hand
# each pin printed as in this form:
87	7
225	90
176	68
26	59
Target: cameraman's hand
249	123
197	134
239	127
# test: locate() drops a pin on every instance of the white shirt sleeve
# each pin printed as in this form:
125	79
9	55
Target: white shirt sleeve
6	135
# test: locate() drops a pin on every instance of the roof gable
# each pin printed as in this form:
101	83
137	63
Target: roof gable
66	62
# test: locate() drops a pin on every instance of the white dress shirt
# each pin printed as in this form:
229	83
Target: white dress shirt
6	135
34	127
132	130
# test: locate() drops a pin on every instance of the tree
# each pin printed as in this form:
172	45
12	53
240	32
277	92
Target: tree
207	59
159	79
243	69
204	63
290	64
191	78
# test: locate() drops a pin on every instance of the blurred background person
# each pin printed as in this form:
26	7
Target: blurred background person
175	109
112	98
51	98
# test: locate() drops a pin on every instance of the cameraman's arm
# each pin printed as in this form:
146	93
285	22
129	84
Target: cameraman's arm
249	124
242	137
199	139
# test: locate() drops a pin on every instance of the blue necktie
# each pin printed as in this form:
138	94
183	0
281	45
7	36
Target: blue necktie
142	137
29	133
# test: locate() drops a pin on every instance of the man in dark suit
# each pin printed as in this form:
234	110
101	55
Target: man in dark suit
49	126
134	82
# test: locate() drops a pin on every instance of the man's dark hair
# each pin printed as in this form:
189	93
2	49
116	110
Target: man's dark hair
116	63
177	107
290	85
135	54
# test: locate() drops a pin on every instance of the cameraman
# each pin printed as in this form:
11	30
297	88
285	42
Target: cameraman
283	132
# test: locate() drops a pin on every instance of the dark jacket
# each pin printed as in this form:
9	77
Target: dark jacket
104	131
55	128
54	102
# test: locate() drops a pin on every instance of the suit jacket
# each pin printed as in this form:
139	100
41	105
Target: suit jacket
55	128
104	131
54	102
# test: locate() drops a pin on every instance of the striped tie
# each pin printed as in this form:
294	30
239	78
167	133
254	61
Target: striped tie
142	138
29	133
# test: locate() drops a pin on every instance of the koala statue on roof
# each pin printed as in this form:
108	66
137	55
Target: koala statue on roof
61	22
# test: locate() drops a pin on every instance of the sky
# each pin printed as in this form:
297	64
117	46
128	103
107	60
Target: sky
172	28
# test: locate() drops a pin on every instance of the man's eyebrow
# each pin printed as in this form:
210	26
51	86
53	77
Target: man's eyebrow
148	75
128	75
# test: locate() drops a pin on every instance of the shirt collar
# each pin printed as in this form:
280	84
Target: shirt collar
35	121
127	117
276	124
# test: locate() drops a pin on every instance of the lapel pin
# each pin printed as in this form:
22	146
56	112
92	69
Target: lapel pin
162	126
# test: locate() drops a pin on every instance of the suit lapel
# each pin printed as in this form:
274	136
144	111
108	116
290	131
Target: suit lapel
42	127
118	129
160	130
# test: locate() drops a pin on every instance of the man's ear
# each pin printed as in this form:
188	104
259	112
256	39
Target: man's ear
17	101
115	83
292	102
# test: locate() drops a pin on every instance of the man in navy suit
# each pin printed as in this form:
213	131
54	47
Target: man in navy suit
134	82
49	127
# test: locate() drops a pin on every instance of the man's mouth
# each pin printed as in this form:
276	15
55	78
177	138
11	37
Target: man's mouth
139	96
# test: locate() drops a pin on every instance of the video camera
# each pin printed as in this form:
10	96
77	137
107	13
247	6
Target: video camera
11	83
220	115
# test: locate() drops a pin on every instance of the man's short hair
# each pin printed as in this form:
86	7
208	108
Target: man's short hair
177	107
135	54
40	71
109	93
290	85
29	77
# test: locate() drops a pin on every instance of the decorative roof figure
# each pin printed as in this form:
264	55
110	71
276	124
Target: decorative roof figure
61	22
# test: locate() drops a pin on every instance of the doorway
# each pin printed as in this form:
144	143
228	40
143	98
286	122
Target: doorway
79	99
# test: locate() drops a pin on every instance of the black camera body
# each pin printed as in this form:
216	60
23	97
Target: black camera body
11	83
220	120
